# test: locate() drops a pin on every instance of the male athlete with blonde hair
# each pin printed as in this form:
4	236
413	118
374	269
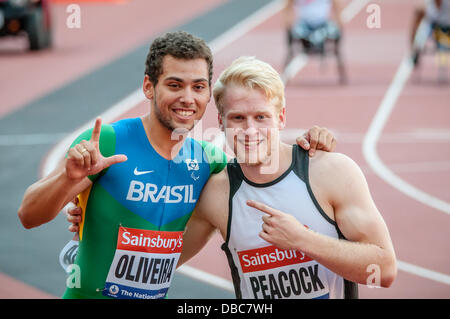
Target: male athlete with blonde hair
303	228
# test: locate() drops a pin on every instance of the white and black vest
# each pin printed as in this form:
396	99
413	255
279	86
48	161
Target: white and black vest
261	270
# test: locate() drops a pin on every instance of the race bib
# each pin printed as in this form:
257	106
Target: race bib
144	264
270	272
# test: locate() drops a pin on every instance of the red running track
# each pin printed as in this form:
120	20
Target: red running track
414	143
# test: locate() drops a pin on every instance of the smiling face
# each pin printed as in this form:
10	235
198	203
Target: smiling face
181	93
251	123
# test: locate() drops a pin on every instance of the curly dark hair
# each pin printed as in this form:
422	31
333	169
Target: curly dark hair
180	45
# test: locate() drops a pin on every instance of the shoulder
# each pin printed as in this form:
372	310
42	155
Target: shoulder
337	175
218	182
213	203
215	193
333	163
215	157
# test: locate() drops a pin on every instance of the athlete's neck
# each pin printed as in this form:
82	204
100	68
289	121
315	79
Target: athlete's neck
279	161
161	138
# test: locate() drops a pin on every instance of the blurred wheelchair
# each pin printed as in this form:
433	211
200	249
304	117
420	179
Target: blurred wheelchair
432	38
323	40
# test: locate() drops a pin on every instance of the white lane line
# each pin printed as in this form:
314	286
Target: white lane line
246	25
371	156
374	133
30	139
294	67
352	9
421	167
204	276
434	134
423	272
413	137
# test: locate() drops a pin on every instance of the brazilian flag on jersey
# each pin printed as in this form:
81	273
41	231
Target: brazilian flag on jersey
134	213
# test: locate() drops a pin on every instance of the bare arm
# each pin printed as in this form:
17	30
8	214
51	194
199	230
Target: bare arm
368	242
197	234
211	213
44	199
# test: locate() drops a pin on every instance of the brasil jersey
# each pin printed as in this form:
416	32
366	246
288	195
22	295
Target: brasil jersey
134	213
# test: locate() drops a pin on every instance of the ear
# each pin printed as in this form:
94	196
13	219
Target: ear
282	118
220	119
147	88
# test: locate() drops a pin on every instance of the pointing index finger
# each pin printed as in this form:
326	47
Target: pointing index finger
97	129
262	207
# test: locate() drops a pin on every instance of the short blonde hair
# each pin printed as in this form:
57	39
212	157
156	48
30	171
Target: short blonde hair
251	73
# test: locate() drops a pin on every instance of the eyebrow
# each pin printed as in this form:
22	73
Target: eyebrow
174	78
230	113
246	113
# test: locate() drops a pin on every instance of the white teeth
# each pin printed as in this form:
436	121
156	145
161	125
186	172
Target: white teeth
184	113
